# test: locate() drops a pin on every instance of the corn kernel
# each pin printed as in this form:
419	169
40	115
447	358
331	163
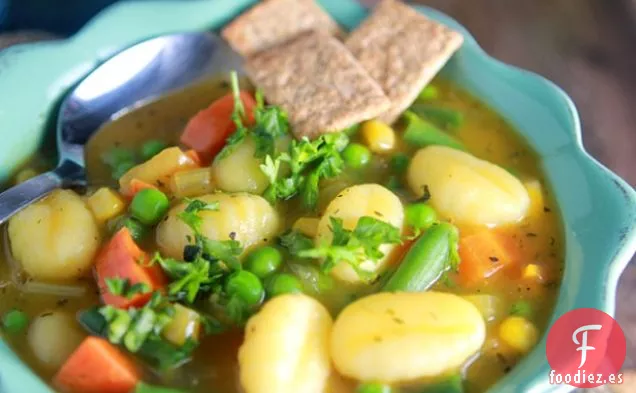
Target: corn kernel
378	136
307	226
518	333
185	324
532	272
105	204
24	175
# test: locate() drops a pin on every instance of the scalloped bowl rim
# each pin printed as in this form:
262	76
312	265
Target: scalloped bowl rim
571	152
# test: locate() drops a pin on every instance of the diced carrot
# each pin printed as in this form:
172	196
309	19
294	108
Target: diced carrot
483	254
194	155
137	185
207	131
97	366
122	258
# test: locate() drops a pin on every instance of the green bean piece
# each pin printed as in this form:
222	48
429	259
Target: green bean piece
283	283
149	206
374	387
151	148
399	163
15	321
421	133
420	216
245	286
356	155
264	261
447	118
428	93
427	260
452	384
142	387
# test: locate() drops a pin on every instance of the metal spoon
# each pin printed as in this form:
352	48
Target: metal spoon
137	74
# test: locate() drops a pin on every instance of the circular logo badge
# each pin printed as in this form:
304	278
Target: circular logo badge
585	348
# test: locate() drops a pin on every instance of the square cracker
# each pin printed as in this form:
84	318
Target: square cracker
273	22
402	50
318	82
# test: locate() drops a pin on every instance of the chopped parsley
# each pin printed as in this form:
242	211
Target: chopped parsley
190	215
295	242
270	123
133	326
308	162
352	247
122	287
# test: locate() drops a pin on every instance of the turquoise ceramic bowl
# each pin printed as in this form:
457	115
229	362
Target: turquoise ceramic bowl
598	208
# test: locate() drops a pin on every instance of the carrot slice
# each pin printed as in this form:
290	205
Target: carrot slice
122	258
483	254
207	131
97	366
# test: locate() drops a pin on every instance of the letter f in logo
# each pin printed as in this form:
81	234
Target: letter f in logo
583	344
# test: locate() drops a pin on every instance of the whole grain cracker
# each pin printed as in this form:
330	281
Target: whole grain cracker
317	81
402	50
273	22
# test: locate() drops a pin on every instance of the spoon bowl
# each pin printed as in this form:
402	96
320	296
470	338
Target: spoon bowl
131	78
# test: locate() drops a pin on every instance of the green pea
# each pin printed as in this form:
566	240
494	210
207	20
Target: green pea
356	155
246	286
283	283
121	168
151	149
149	206
420	216
374	387
399	163
15	321
264	261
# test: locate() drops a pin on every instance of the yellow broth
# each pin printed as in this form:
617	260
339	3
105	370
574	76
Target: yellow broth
214	368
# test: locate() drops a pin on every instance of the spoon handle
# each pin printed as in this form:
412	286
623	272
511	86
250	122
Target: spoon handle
17	198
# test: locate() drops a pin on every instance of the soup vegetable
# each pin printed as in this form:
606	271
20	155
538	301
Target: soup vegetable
235	243
410	266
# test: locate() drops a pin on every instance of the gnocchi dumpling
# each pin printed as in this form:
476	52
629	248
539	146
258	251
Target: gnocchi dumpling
466	189
247	218
240	171
56	238
431	333
286	347
53	336
351	204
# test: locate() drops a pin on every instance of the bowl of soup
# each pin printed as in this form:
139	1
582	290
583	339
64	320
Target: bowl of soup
407	233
